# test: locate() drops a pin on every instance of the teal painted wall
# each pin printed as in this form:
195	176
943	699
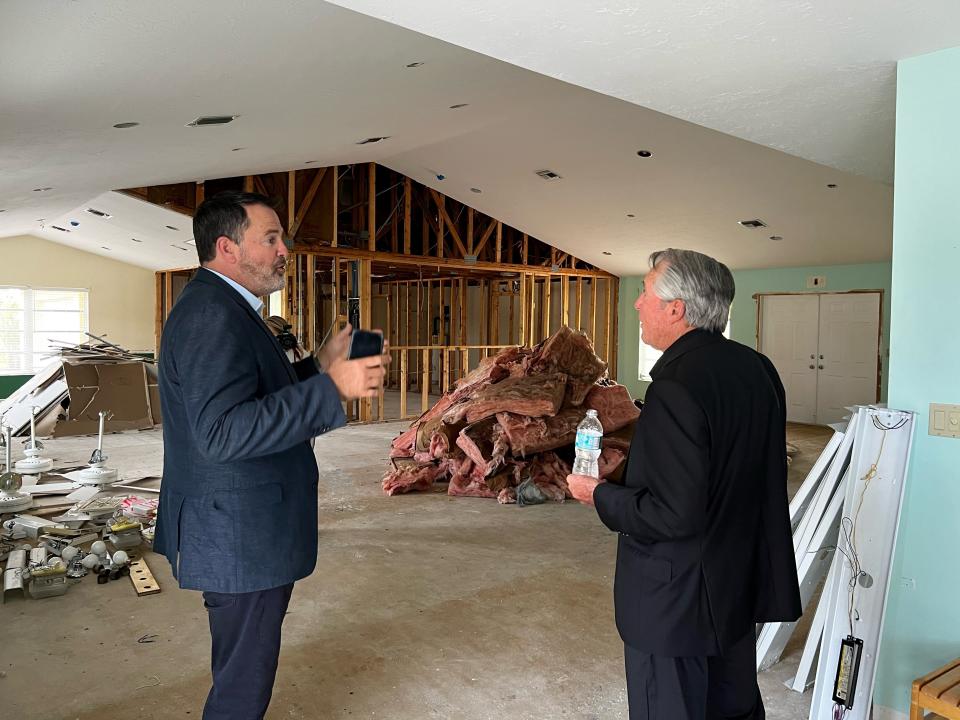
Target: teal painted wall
922	629
743	316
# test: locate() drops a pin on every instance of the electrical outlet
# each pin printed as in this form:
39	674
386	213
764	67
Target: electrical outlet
908	583
816	281
944	420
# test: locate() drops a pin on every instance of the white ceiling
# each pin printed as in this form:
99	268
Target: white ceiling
311	81
814	79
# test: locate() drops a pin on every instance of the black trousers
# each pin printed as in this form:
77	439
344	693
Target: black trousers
695	688
245	629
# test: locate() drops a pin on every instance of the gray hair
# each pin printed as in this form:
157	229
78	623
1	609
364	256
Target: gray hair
705	285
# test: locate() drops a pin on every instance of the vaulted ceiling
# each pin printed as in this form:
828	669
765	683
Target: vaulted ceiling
747	111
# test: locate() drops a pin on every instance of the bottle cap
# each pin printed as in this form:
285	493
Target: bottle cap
591	413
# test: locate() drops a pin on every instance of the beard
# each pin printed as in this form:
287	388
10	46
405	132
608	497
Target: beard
263	279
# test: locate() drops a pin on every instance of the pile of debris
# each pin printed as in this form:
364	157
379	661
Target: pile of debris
81	381
507	429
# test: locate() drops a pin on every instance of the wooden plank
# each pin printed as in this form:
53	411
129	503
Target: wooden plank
307	202
311	304
445	355
403	384
522	339
248	183
167	295
593	311
393	219
372	207
336	203
291	201
198	195
615	344
366	404
259	185
451	226
525	248
510	323
499	242
407	213
441	228
143	581
608	330
470	231
546	319
158	314
579	302
425	381
462	311
565	301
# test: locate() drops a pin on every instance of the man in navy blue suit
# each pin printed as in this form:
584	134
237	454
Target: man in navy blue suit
238	504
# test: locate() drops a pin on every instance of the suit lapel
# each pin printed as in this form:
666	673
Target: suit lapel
208	278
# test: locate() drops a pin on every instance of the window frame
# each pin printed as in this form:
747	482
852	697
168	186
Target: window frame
34	364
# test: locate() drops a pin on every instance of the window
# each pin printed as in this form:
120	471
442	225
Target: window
649	356
34	322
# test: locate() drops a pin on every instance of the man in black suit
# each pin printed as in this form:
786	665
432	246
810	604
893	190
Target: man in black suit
704	547
238	505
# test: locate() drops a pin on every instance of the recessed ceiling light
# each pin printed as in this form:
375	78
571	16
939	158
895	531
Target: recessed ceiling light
2	210
61	229
99	213
476	190
644	153
752	224
606	253
104	247
125	125
171	227
414	64
309	162
135	240
831	185
180	248
237	149
630	215
212	120
371	140
776	238
43	189
458	106
549	175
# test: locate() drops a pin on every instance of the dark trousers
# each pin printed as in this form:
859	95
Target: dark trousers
695	688
245	629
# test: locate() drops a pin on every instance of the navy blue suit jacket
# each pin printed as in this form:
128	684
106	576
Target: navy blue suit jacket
238	503
705	548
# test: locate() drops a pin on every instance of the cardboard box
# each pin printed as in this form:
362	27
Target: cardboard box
122	389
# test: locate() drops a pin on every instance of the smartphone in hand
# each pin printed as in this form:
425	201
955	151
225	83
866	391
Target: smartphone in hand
365	343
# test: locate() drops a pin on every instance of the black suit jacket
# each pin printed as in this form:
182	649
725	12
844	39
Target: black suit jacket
238	504
705	548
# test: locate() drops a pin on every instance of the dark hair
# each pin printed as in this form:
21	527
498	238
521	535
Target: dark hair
223	214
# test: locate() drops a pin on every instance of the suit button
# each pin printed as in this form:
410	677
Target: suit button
624	534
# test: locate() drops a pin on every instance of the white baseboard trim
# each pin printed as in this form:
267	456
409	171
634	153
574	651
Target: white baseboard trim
885	713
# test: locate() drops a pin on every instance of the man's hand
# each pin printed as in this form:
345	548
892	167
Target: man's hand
335	348
358	378
581	487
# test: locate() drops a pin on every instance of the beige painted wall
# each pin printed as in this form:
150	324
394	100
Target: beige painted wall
121	295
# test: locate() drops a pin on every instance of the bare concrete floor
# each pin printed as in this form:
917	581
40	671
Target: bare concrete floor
421	606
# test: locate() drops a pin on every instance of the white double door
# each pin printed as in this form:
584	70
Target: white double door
826	348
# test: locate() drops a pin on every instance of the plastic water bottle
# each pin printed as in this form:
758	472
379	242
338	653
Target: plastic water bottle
589	435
